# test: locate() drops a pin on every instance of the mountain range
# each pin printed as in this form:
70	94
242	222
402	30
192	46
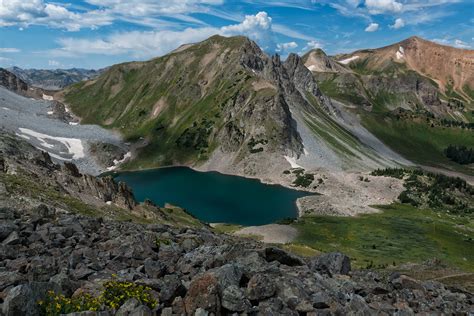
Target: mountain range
223	104
54	79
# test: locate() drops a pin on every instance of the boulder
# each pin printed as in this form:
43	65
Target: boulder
234	300
331	263
203	293
276	254
260	287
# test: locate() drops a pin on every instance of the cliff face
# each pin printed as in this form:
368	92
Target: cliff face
12	82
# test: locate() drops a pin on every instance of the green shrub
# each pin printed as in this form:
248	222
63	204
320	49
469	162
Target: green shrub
115	293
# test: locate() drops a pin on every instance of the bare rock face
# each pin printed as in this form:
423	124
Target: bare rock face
12	82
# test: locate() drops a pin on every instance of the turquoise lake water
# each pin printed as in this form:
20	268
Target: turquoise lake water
213	197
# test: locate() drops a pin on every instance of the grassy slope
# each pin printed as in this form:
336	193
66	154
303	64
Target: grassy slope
399	234
194	88
418	141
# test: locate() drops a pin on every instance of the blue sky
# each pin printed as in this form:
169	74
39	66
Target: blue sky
98	33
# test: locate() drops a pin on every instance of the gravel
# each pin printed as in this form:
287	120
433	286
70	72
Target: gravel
17	112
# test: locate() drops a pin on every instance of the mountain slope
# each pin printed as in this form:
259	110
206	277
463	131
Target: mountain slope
402	103
451	68
221	104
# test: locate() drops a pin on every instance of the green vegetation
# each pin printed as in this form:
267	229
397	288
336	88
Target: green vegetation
460	154
418	141
435	191
115	293
225	228
399	234
303	179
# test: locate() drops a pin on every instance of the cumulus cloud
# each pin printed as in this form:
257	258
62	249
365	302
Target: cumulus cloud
312	45
383	6
9	50
399	23
38	12
257	27
154	43
372	27
283	47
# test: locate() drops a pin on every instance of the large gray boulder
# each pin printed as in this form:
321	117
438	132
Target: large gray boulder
331	263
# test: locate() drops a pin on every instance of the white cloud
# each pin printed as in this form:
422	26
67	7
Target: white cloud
38	12
461	44
283	47
399	23
452	42
383	6
258	27
54	63
9	50
155	43
150	7
372	27
103	12
311	45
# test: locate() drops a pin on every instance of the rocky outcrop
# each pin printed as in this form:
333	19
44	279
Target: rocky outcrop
193	271
19	157
12	82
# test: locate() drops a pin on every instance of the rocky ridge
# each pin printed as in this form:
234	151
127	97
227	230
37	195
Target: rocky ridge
53	79
13	83
189	269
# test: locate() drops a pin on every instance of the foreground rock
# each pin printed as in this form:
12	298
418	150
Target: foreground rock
193	271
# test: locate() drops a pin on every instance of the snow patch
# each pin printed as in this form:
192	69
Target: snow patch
400	53
292	162
48	97
118	162
348	60
312	68
6	109
73	123
108	202
50	112
73	145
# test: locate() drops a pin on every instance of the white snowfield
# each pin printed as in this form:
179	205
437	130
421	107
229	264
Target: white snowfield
47	97
119	162
313	68
74	146
348	60
400	53
292	162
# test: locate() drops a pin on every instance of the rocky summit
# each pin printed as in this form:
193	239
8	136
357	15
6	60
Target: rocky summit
57	259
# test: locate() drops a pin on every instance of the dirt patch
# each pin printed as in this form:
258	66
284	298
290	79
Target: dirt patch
272	233
349	194
262	84
158	107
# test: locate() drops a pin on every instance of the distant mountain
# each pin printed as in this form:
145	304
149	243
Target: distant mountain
415	95
55	79
13	83
452	69
222	104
